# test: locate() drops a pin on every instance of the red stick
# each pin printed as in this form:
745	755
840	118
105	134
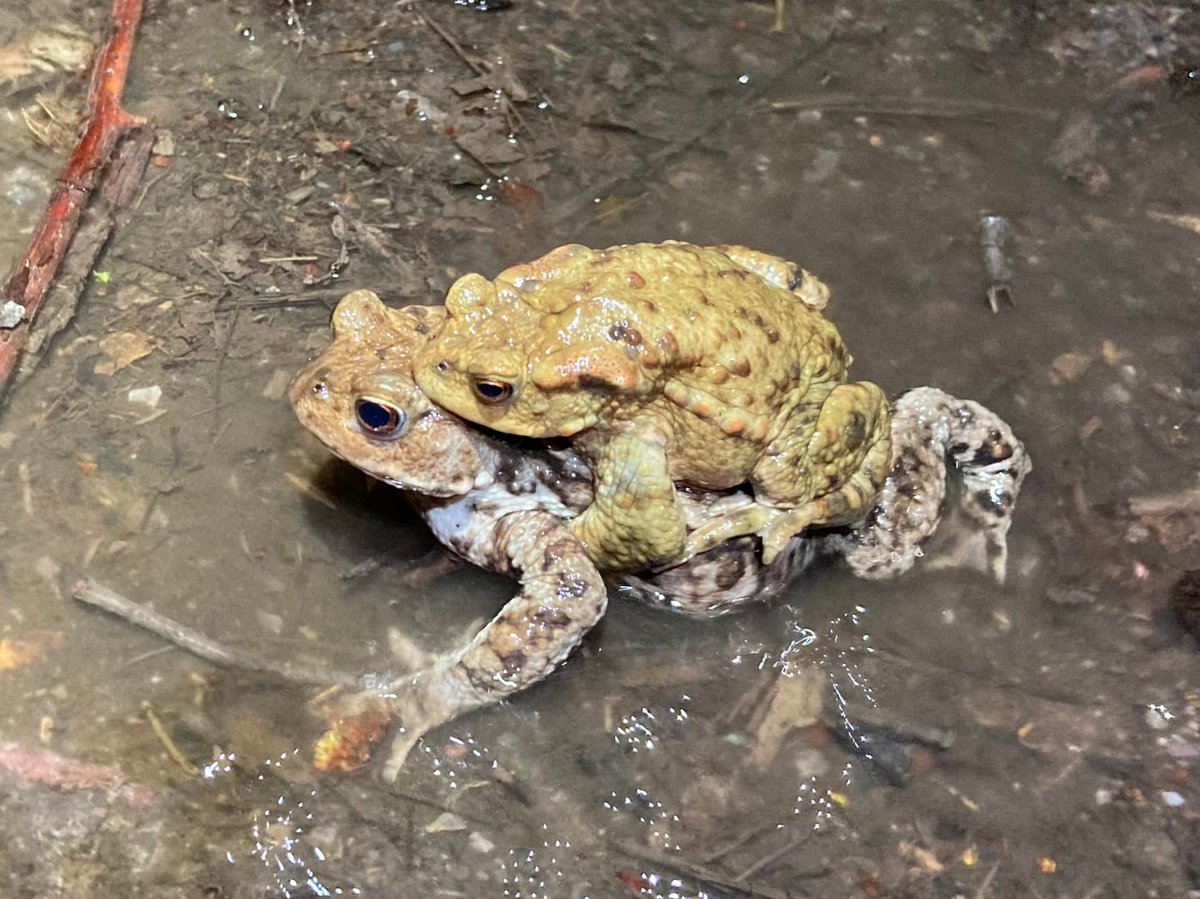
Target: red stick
104	125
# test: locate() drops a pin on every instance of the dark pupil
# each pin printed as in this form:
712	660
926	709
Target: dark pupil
492	391
374	416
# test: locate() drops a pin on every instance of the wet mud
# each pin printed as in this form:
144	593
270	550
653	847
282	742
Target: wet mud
947	736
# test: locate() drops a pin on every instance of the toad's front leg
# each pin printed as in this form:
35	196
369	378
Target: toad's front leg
562	597
635	519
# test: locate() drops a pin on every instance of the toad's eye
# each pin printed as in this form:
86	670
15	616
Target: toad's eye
493	393
379	419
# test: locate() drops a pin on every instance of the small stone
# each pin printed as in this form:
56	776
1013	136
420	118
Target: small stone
298	195
206	190
164	143
1117	394
129	295
1069	367
270	622
1158	717
480	843
146	396
446	822
1173	799
1179	748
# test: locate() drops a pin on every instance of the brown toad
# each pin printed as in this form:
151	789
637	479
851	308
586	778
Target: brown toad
710	366
507	506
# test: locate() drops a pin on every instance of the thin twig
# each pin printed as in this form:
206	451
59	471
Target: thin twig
981	893
114	195
926	108
678	865
510	108
772	857
94	594
738	842
168	744
219	368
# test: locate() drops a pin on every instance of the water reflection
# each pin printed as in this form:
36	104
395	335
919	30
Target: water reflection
282	833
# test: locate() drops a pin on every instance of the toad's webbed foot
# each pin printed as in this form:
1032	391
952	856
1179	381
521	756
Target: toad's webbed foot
928	427
562	596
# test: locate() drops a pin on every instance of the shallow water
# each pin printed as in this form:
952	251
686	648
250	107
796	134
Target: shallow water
1072	694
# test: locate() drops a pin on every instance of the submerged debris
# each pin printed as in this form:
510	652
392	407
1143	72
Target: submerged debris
1185	600
1187	222
1174	517
994	232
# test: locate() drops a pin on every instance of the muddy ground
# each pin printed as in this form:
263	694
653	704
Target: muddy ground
1045	733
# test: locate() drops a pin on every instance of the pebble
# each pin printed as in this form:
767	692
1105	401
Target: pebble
1158	717
480	843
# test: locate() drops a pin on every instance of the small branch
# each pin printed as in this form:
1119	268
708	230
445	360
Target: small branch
771	857
981	893
171	747
674	866
94	594
105	123
113	195
929	108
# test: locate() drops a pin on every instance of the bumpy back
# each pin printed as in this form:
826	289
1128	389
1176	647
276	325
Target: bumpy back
580	335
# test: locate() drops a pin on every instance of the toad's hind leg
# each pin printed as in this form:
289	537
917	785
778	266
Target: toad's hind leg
562	597
929	427
635	519
839	465
779	272
822	472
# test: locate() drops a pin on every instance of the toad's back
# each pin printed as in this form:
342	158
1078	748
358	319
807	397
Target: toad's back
597	336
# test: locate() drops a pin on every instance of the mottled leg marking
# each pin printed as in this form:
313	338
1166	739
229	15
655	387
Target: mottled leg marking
929	426
781	273
635	518
727	579
562	597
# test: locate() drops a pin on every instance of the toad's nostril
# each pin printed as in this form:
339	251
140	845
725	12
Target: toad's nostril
444	365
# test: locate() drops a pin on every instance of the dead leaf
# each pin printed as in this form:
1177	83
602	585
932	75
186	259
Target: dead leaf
446	822
796	700
491	147
123	349
1069	367
923	857
1090	427
19	653
524	198
1174	517
1111	353
56	47
1187	222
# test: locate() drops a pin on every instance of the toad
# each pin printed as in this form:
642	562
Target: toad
507	506
710	366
